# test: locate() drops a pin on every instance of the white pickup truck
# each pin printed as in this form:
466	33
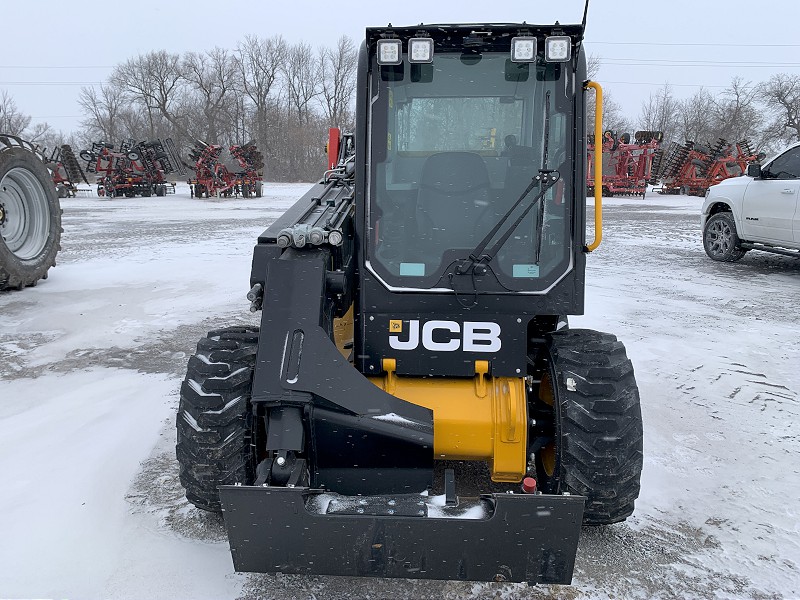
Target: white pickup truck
758	211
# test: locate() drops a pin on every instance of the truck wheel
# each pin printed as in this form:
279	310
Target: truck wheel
214	416
30	219
720	240
589	423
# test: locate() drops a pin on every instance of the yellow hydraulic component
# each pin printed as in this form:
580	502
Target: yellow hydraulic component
483	418
343	332
598	165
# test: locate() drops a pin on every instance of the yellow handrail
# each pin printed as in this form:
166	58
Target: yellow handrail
598	165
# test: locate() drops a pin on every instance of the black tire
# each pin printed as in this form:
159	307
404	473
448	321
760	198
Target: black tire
214	416
587	409
30	219
720	240
258	189
161	190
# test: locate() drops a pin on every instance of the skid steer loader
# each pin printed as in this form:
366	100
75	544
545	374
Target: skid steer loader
414	403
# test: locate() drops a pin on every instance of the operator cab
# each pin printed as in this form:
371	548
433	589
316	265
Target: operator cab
455	143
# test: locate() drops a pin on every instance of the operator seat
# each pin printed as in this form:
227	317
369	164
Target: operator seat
453	192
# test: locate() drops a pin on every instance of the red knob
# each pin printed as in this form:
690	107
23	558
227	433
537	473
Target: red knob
529	485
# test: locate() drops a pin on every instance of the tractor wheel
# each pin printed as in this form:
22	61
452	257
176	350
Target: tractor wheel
30	219
161	190
720	240
588	424
258	189
214	416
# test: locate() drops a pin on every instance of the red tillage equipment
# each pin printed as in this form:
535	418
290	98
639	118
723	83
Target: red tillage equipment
67	172
135	169
691	168
626	166
227	172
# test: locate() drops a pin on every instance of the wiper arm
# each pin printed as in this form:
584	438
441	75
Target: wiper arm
546	179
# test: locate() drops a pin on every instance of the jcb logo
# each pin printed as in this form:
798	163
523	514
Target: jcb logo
477	336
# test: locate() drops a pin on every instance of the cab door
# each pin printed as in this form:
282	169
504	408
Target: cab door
770	208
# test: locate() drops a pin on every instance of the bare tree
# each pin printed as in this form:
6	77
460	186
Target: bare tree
593	65
694	122
337	74
735	114
781	95
614	118
211	78
12	120
39	133
155	81
259	62
659	112
103	109
301	82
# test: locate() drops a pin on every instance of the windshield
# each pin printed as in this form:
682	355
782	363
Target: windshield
453	146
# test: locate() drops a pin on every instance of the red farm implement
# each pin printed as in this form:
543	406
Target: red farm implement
627	165
135	169
691	168
226	172
67	171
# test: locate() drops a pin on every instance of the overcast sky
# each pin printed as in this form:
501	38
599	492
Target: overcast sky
52	47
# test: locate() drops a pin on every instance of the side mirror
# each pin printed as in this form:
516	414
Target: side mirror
754	170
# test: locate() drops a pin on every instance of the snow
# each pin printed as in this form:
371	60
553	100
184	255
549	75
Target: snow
91	361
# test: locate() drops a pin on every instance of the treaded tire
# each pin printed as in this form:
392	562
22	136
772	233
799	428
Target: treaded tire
27	249
214	418
597	426
720	240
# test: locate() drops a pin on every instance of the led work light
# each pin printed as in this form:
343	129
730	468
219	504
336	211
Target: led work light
557	48
390	52
523	49
420	50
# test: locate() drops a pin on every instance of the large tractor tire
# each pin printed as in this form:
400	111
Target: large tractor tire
589	424
30	218
720	239
215	421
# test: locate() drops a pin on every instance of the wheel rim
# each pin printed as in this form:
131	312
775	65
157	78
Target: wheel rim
25	214
719	237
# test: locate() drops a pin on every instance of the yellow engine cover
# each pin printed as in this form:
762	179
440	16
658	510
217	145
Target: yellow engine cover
483	418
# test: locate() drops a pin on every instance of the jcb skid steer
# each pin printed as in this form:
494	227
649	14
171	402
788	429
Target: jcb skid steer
414	403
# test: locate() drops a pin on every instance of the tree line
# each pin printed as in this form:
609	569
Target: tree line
285	96
767	114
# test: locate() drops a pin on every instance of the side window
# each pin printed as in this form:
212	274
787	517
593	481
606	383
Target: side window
786	166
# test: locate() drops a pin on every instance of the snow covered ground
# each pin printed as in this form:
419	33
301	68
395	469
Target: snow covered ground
92	358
